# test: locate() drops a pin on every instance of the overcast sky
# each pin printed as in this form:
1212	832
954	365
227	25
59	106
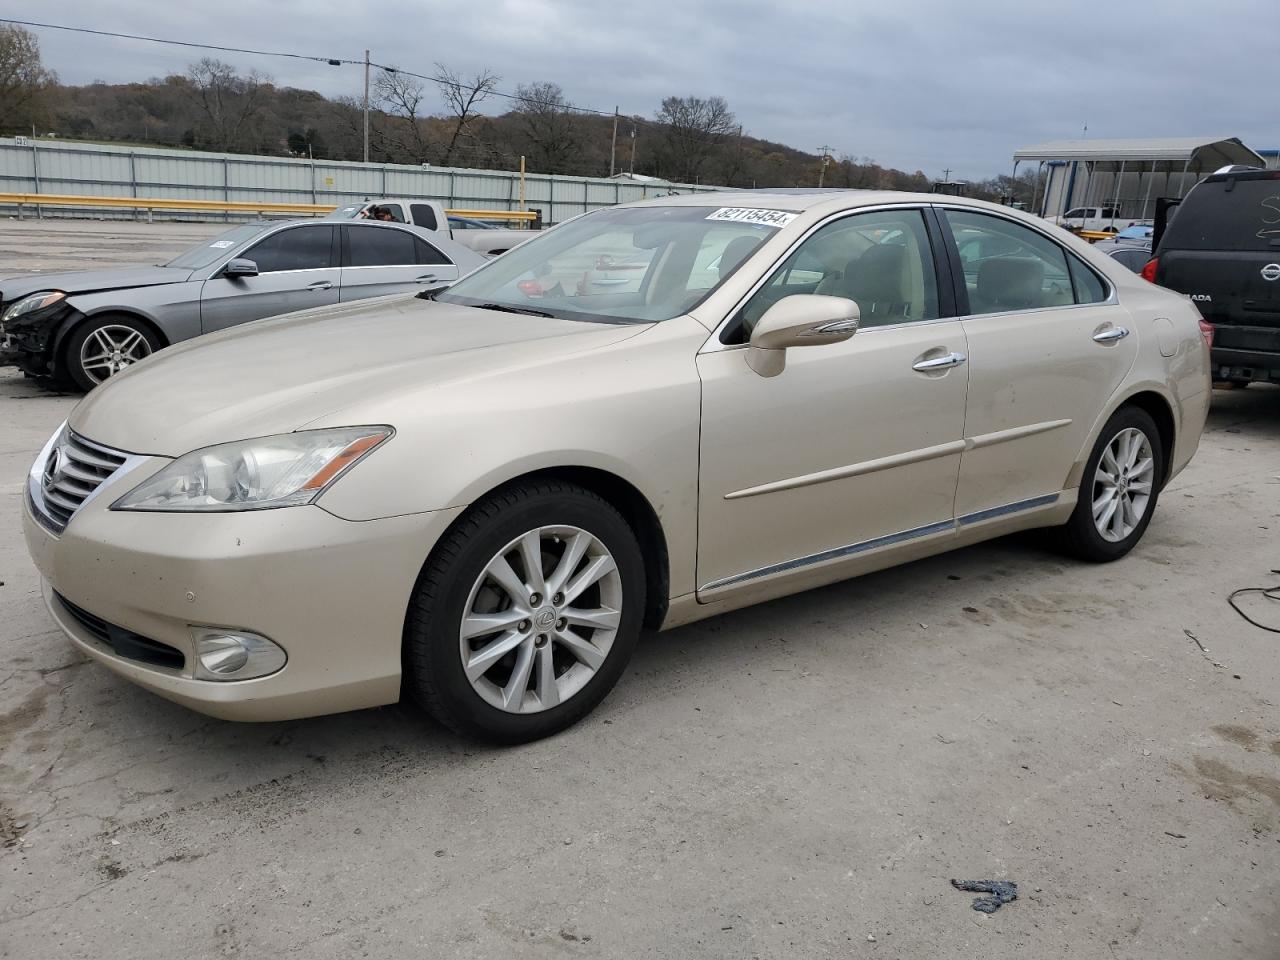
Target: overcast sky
916	84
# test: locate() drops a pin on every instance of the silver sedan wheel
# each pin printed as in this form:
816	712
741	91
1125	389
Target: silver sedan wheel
1122	484
540	619
110	349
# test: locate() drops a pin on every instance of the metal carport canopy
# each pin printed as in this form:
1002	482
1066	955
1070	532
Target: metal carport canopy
1205	153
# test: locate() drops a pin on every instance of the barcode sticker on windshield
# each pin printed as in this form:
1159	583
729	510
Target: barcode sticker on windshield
765	218
221	244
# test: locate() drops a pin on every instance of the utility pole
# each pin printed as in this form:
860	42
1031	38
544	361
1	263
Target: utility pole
826	159
633	151
946	174
613	144
366	106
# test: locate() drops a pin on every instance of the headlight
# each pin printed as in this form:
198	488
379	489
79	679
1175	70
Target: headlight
36	301
284	471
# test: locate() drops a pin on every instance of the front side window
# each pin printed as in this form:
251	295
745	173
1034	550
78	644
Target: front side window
1077	214
882	260
298	248
622	264
371	246
1008	266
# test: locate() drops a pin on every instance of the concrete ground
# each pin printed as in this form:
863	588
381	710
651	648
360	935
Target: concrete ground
801	779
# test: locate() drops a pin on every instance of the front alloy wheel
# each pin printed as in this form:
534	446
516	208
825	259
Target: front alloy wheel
526	613
541	619
102	347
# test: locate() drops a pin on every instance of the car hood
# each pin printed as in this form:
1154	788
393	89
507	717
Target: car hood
276	376
89	281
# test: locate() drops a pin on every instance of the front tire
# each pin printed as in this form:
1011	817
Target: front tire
1118	489
526	613
102	347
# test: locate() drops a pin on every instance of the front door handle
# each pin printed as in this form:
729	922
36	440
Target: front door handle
321	285
1110	336
939	363
429	278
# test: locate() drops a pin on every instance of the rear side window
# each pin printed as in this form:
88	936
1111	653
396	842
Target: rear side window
423	215
1246	217
1088	287
370	246
427	253
1008	266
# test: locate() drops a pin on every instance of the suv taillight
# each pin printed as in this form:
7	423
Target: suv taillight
1206	331
1149	271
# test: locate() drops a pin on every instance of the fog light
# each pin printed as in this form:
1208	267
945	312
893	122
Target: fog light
234	655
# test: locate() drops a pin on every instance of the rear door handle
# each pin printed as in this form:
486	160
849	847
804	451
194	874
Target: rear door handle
1107	336
428	278
321	285
939	363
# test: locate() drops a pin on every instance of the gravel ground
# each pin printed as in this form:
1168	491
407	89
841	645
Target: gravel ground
801	779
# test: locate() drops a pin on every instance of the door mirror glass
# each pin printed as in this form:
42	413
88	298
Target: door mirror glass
240	267
801	320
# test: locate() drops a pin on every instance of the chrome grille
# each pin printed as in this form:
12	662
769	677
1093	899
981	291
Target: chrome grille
73	470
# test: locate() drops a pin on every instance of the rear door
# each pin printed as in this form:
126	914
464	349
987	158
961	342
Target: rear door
297	269
380	259
1048	346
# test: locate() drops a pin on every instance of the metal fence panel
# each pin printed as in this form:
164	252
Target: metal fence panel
45	166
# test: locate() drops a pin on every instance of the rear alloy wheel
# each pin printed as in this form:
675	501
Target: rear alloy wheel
1119	488
99	349
526	614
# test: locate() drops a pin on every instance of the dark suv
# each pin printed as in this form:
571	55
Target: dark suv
1222	248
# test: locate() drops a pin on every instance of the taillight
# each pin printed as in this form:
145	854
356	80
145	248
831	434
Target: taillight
1149	271
1206	331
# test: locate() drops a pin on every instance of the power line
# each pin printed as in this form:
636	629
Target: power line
331	61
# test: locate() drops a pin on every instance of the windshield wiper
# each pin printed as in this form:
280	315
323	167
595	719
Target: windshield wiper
507	308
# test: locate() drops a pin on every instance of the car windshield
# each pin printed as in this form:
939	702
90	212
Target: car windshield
620	265
211	251
1134	233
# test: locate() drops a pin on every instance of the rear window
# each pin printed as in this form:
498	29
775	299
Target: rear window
1246	217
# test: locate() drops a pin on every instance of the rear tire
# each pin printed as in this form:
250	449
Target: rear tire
1118	489
103	346
508	676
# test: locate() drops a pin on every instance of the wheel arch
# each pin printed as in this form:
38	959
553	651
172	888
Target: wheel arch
1160	410
635	508
79	319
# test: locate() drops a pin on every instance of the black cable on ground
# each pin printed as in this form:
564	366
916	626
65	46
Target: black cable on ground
1271	593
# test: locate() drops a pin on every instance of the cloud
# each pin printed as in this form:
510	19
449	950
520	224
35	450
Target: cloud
913	83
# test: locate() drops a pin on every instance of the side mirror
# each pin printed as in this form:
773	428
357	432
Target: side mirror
801	320
240	268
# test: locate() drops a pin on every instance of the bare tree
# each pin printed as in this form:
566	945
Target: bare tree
695	129
228	102
548	125
462	97
400	96
24	82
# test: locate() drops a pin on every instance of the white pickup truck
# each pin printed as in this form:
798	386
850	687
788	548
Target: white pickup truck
1091	218
431	215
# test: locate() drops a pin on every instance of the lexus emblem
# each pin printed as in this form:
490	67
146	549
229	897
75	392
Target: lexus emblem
545	618
1271	271
52	469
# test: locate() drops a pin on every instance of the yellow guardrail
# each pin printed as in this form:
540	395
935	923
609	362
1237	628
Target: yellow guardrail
1093	236
220	206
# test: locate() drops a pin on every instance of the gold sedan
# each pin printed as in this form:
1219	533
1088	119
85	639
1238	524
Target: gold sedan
479	495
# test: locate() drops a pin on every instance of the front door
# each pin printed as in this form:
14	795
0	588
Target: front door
380	259
1048	347
856	446
297	269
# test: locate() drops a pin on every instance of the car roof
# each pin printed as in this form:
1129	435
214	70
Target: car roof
825	200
